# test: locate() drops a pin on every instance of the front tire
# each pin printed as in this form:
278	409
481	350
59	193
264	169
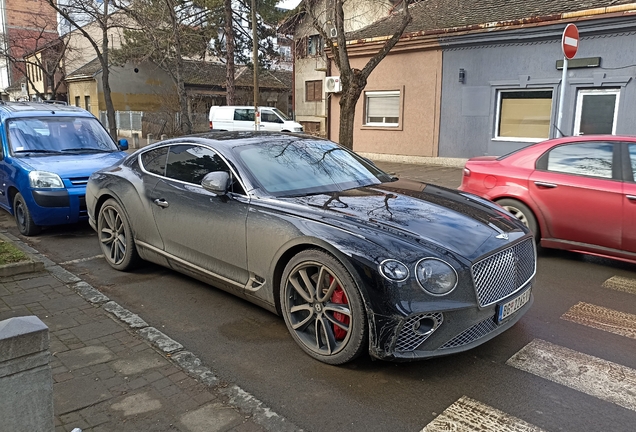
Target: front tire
23	218
115	237
523	213
322	307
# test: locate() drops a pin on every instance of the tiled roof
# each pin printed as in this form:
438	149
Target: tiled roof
89	69
442	14
271	79
213	74
204	73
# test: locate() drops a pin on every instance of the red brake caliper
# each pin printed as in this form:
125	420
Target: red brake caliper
339	297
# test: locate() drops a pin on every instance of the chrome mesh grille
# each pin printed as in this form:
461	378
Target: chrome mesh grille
504	272
475	332
409	338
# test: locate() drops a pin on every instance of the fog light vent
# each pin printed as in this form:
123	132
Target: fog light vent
416	329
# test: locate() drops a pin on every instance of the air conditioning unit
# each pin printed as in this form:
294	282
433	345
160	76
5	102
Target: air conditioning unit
332	84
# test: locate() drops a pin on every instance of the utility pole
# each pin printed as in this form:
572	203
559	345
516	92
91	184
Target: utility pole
257	115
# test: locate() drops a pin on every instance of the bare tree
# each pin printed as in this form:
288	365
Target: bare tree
167	33
353	80
79	13
36	53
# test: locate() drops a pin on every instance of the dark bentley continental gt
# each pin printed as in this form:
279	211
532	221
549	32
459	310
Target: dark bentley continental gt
352	258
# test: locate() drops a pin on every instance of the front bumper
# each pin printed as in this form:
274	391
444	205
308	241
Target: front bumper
57	207
393	338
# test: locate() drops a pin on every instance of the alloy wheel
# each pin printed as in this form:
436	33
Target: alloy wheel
318	308
112	235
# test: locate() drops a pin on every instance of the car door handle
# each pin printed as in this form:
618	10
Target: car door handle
161	202
545	185
631	197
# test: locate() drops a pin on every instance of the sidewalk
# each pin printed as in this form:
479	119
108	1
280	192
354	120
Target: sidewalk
112	372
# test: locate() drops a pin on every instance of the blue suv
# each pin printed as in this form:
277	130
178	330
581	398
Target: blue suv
48	152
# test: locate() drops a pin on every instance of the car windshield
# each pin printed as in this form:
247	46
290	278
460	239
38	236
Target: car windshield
280	114
294	168
58	135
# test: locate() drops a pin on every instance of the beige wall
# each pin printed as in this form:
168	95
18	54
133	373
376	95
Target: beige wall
80	51
417	74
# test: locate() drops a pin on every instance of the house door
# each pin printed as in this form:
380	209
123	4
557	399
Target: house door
596	112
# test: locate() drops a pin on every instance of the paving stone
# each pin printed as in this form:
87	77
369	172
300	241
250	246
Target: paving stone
139	363
210	418
87	356
78	393
96	329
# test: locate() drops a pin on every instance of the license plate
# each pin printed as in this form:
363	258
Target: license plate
508	308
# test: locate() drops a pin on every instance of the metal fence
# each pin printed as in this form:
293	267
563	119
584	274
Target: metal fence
157	123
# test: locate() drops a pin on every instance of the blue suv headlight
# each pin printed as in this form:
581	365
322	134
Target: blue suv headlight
45	180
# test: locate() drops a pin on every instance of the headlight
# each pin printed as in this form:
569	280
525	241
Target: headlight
298	129
45	180
394	270
435	276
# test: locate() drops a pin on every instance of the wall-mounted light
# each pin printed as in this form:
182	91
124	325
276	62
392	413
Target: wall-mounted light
462	75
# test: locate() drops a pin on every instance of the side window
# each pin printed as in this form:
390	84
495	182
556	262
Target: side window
589	159
268	116
243	114
632	158
190	163
154	161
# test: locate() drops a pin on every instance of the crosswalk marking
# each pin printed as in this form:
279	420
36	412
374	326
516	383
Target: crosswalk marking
619	283
591	375
601	318
469	415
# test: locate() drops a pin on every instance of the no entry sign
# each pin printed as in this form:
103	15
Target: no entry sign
570	41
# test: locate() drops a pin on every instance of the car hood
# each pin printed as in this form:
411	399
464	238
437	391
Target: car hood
459	222
68	166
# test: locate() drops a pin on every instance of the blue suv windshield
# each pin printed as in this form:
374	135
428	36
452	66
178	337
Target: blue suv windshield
58	135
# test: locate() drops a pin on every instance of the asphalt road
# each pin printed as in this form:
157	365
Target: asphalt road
583	378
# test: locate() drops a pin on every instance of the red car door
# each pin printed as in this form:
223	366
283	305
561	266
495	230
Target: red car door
629	204
579	193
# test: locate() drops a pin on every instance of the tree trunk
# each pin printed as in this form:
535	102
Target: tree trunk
229	41
348	102
110	109
185	124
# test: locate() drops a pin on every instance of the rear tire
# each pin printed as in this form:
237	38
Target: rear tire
523	213
23	218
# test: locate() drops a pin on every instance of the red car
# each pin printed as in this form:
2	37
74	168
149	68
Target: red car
575	193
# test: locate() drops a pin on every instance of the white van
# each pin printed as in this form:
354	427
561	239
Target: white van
236	118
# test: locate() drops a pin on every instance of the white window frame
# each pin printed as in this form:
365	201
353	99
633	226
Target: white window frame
498	114
579	106
397	93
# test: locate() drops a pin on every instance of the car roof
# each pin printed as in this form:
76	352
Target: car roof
232	139
30	109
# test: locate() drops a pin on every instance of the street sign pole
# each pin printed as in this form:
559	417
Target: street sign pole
569	46
564	78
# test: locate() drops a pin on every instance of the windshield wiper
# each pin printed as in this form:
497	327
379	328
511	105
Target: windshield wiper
86	150
37	151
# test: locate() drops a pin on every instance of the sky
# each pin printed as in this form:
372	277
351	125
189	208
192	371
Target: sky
288	4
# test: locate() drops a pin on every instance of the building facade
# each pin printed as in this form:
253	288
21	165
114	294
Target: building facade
25	26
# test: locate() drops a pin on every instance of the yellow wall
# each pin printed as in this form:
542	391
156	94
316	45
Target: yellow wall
82	89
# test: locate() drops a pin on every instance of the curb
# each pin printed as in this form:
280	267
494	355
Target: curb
12	269
416	160
172	350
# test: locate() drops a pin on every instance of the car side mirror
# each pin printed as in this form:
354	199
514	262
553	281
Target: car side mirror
216	182
123	144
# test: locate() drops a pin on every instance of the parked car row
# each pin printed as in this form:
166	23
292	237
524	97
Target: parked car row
353	259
